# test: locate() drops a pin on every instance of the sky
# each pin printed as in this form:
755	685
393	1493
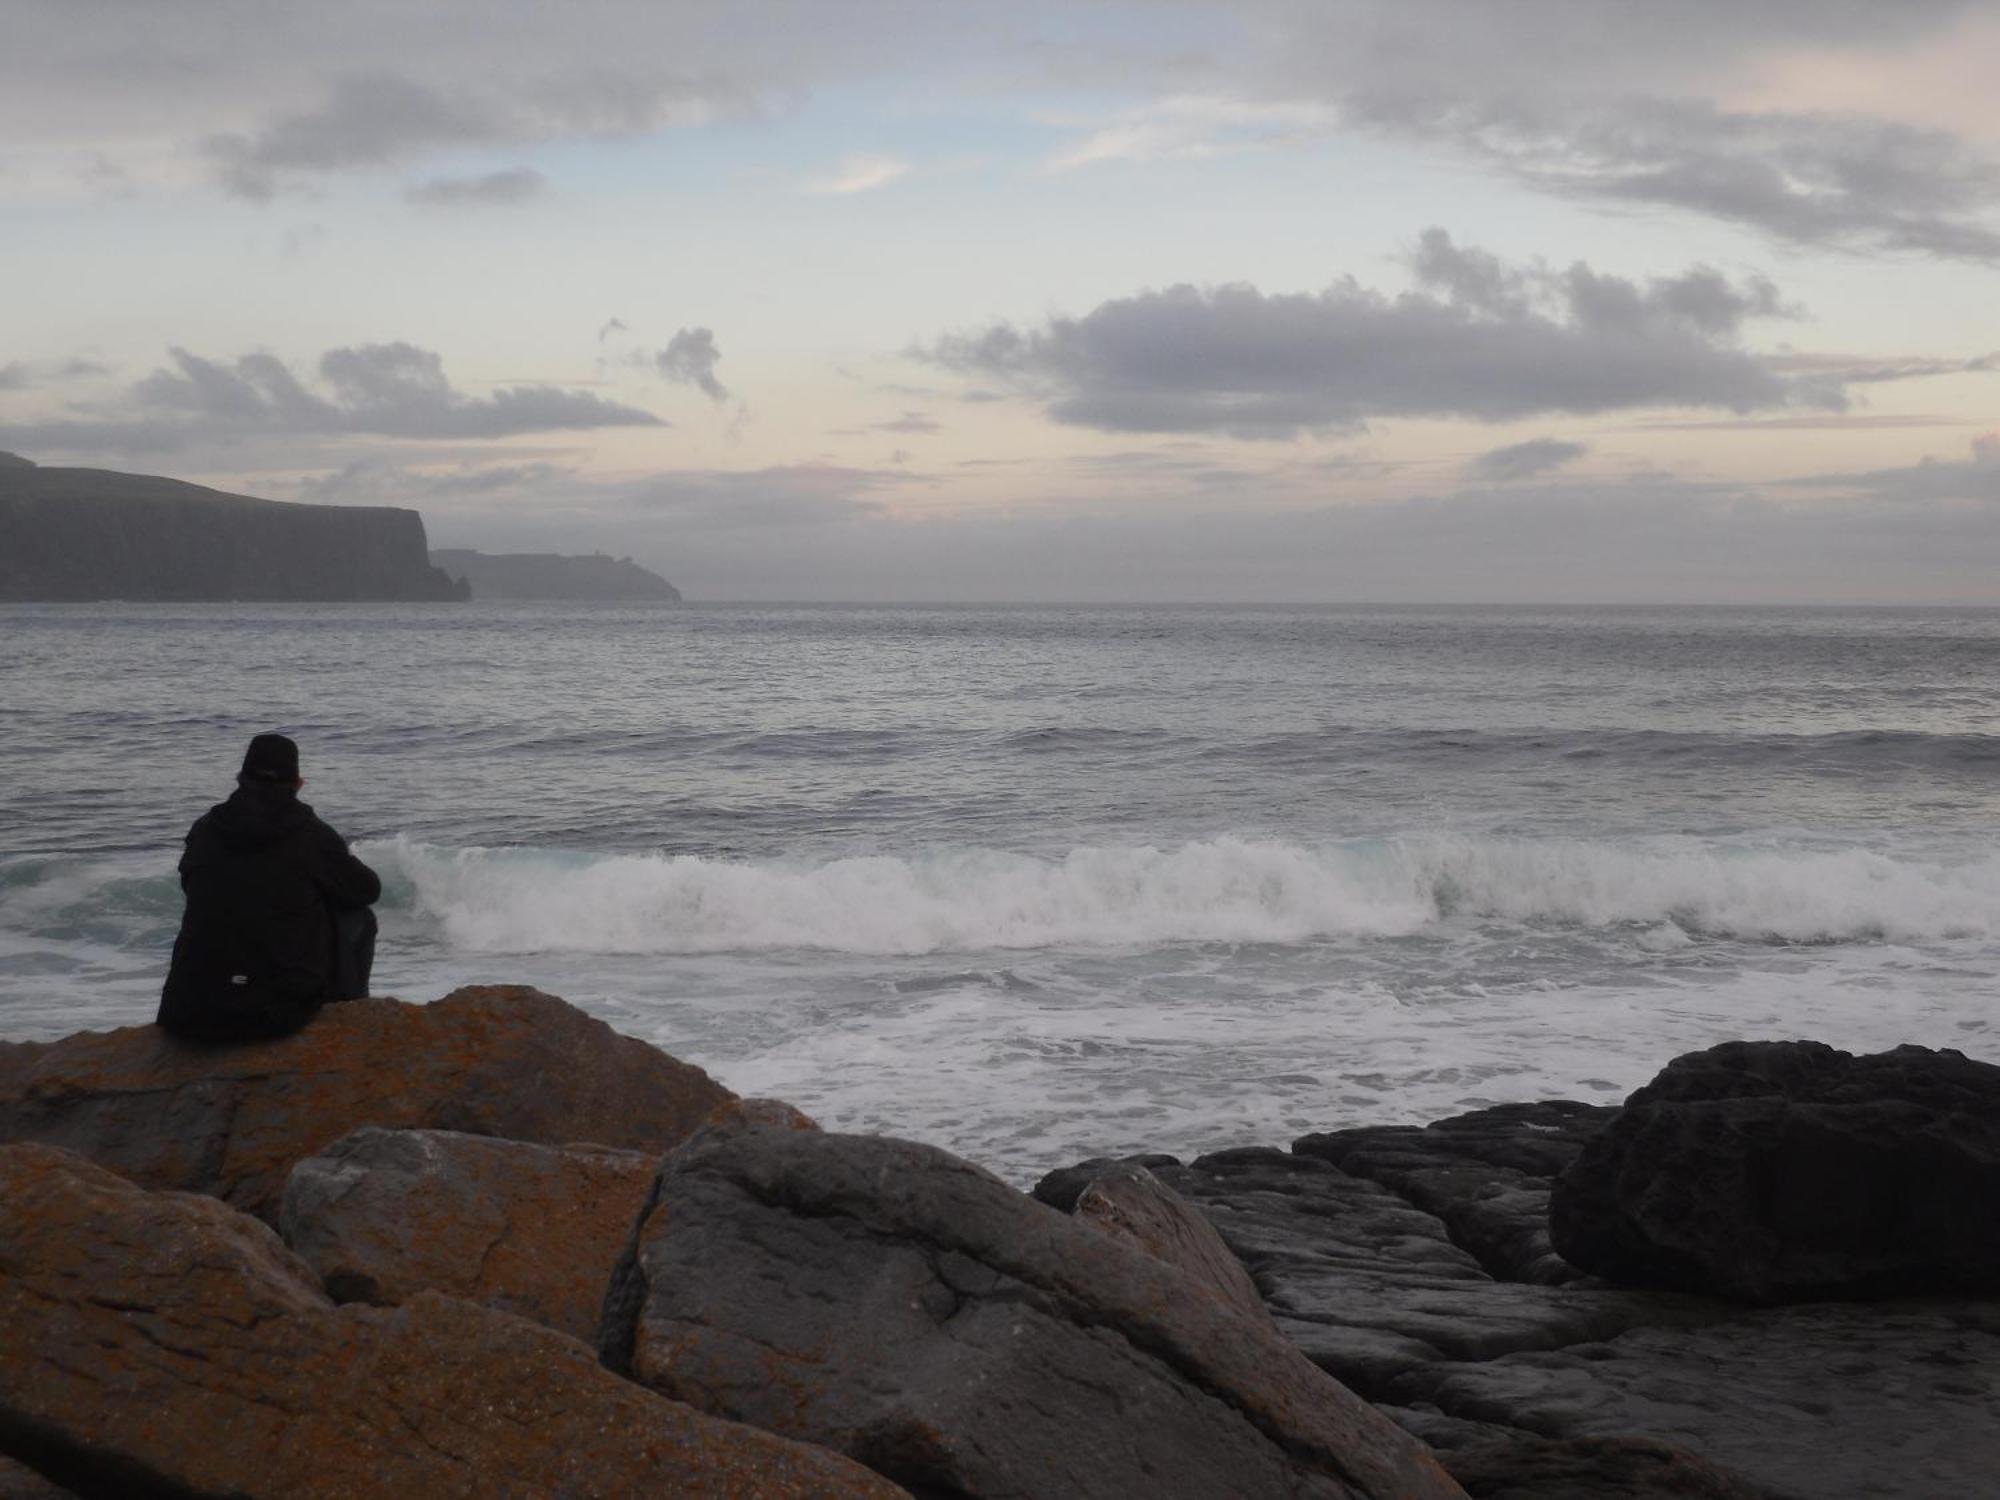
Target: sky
1519	301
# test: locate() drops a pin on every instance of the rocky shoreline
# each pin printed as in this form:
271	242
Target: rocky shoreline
488	1246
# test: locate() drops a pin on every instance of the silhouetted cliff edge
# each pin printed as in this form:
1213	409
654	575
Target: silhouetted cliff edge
547	575
94	534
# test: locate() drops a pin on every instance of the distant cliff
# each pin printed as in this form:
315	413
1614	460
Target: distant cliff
94	534
545	575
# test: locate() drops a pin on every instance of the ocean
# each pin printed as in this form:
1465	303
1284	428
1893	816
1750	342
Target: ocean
1035	884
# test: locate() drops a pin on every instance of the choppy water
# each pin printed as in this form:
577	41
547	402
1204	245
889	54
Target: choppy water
1033	883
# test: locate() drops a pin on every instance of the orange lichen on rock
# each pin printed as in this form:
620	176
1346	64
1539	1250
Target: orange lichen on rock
497	1060
163	1342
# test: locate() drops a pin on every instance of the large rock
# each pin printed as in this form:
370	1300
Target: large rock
911	1310
1485	1175
1129	1202
491	1060
162	1343
1405	1270
1776	1171
534	1230
1368	1284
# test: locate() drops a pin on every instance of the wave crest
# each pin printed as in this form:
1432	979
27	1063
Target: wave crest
1218	890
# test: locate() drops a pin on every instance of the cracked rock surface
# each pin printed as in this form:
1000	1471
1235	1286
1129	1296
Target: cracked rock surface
495	1060
1415	1264
907	1308
534	1230
165	1344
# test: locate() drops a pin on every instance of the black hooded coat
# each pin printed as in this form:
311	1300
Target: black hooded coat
255	955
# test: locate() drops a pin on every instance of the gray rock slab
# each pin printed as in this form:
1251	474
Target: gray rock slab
1833	1401
908	1309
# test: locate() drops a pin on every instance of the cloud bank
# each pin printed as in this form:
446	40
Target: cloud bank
391	390
1477	338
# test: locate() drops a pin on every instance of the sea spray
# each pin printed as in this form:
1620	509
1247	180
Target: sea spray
1227	890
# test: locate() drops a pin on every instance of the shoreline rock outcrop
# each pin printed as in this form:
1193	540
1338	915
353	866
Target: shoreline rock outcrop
902	1306
1789	1171
534	1230
491	1060
1378	1311
551	576
164	1343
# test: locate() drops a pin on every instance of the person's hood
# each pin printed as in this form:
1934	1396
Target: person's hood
258	815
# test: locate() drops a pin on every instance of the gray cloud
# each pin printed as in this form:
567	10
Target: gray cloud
1850	183
515	185
1478	338
690	359
1875	369
374	481
1976	479
21	375
1524	460
911	422
378	117
367	120
391	390
611	326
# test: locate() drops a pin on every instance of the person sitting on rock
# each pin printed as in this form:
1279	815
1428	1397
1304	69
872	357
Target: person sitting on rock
277	920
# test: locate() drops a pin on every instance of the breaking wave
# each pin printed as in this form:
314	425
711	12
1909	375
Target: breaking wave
515	900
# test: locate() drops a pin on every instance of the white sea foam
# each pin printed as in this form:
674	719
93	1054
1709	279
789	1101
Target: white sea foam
1218	890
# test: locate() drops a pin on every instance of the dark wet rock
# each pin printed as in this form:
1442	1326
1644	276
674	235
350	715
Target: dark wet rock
1775	1171
534	1230
165	1344
1595	1469
1820	1402
1486	1175
498	1060
19	1482
905	1307
1130	1203
1369	1285
1380	1270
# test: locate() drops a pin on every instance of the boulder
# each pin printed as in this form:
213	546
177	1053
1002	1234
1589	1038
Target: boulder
1368	1284
533	1230
1788	1171
902	1306
1485	1175
1133	1205
498	1060
163	1343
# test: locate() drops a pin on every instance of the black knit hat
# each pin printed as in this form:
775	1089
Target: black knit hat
271	757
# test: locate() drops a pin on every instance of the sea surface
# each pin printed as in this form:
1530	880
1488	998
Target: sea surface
1035	884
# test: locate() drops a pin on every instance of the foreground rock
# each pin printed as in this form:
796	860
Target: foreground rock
492	1060
1408	1262
1595	1469
1784	1171
1818	1402
381	1215
903	1306
1129	1202
156	1343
